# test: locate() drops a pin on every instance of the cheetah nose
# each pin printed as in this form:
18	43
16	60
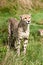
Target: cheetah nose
28	21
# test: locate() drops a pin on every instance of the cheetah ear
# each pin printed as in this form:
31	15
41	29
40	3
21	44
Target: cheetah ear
21	16
30	15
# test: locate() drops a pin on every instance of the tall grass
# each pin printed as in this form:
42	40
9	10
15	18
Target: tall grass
34	55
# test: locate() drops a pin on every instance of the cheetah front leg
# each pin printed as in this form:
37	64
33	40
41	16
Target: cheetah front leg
18	46
25	45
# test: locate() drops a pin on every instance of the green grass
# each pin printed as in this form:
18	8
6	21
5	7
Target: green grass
37	17
34	54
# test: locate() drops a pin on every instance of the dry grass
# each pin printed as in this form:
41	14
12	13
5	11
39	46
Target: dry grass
21	4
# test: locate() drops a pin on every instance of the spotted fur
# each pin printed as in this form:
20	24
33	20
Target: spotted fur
18	31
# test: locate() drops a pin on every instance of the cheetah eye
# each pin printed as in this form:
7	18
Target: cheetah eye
25	18
29	17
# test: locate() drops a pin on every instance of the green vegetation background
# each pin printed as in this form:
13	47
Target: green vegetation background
11	8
